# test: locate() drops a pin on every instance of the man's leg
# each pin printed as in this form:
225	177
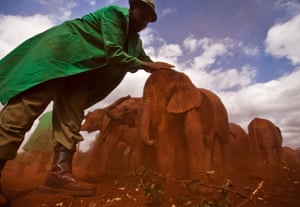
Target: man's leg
16	118
78	93
68	112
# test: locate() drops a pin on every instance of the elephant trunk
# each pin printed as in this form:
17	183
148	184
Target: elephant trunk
145	122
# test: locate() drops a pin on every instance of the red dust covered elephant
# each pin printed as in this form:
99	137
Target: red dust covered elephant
266	141
182	123
240	147
118	132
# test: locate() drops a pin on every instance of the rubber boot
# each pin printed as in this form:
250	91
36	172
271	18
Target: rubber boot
3	200
60	178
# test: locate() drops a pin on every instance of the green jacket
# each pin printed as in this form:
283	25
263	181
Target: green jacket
95	41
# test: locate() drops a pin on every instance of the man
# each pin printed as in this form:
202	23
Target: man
39	146
75	65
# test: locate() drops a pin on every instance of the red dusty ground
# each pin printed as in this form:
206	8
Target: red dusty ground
276	186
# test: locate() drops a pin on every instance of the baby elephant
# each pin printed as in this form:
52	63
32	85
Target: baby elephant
118	132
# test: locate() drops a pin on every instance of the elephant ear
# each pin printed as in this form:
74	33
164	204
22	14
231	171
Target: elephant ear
185	98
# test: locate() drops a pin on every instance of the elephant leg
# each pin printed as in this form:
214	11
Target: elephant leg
208	151
278	153
106	153
194	141
140	155
263	156
165	155
92	161
275	155
118	158
226	158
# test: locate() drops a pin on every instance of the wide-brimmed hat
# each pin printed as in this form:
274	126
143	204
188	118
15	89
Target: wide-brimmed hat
149	5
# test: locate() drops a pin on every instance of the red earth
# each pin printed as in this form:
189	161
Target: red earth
275	186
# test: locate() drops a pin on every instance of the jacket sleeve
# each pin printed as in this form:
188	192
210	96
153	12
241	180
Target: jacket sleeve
114	29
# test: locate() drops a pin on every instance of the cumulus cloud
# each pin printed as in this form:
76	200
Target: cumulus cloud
59	10
283	40
170	53
292	7
276	100
16	29
190	43
168	11
210	50
92	2
249	50
112	1
148	36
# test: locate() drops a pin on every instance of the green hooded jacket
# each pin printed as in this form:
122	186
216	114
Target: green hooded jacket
95	41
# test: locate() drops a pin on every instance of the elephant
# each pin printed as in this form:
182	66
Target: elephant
266	140
183	123
118	132
123	111
290	158
240	146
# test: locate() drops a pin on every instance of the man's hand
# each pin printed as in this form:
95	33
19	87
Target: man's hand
154	66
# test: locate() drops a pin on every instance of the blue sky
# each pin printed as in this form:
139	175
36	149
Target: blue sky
246	51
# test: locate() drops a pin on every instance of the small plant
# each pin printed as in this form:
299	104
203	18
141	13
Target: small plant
152	184
154	193
222	200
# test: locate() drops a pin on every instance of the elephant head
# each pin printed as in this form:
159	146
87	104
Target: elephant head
95	120
166	90
123	111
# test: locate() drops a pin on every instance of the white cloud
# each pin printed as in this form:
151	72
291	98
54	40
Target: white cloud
66	10
92	2
168	11
112	1
169	52
16	29
60	10
277	100
220	80
210	50
148	36
249	50
283	40
132	85
190	43
292	7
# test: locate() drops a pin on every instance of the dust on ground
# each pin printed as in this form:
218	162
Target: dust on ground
273	186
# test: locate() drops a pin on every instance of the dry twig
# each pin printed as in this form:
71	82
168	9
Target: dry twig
259	186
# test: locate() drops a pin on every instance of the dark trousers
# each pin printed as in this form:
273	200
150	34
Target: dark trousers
70	96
